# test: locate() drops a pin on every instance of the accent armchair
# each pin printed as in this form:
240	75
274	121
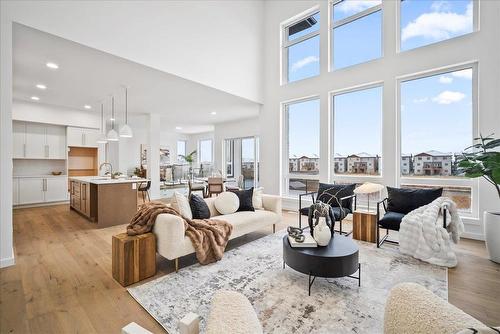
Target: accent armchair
340	197
398	203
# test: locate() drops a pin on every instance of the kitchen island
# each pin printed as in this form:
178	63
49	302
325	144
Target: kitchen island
105	201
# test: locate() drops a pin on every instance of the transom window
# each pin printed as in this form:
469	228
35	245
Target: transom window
300	50
356	32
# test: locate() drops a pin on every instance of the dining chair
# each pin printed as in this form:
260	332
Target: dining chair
215	186
196	187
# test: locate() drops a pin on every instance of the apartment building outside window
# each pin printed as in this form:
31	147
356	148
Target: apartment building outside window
356	32
300	48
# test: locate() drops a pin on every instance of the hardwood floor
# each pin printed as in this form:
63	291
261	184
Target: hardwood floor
62	280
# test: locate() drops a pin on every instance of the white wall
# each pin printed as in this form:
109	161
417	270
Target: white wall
169	139
216	43
482	46
50	114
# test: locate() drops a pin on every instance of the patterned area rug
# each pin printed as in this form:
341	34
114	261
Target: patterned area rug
280	296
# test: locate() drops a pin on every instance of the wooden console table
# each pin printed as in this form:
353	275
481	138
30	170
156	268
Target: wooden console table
364	226
134	257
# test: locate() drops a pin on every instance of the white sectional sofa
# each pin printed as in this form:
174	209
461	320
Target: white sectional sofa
172	243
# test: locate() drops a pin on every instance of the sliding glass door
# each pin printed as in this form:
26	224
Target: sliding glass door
241	161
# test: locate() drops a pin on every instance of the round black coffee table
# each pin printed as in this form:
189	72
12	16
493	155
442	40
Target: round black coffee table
338	259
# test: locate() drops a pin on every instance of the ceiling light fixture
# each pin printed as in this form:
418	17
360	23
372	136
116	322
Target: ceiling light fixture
35	98
213	113
53	66
41	86
87	106
126	130
102	137
112	134
178	127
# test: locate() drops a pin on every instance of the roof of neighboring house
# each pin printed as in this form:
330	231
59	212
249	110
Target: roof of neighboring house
363	155
434	153
338	155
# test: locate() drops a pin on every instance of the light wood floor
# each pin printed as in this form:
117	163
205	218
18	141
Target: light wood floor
62	280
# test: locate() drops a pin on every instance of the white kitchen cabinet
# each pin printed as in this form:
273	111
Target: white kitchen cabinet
56	189
19	139
82	137
15	191
38	141
31	190
56	142
35	141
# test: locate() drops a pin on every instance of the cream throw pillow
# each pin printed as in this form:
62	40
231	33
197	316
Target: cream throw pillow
181	204
257	198
227	203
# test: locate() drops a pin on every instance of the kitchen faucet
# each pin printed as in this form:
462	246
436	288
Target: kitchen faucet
110	168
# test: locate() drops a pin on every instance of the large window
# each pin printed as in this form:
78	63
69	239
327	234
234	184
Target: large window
428	21
302	130
356	32
437	117
357	124
301	48
205	151
181	150
229	157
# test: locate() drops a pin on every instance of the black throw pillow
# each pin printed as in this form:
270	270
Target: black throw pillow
332	193
405	200
199	207
245	197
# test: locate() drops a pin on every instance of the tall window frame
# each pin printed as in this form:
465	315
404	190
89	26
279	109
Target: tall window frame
286	43
181	152
473	184
332	25
286	174
200	151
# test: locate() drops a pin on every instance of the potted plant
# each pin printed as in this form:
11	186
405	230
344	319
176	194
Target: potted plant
483	160
189	158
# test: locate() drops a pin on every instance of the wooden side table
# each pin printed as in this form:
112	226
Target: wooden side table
134	257
364	226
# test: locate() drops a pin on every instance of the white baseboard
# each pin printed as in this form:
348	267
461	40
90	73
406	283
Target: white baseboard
474	236
35	205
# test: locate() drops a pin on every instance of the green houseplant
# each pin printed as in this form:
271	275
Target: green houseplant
189	158
483	160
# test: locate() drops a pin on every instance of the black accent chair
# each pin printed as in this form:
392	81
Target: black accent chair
398	203
340	197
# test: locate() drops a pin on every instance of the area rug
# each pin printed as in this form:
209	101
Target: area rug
280	296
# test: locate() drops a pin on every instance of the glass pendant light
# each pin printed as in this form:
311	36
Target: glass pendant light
126	130
102	137
112	134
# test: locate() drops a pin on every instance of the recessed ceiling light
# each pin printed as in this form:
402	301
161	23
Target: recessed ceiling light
41	86
213	113
178	127
87	106
52	65
36	98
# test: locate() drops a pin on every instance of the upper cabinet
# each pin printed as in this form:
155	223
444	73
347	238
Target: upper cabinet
38	141
82	137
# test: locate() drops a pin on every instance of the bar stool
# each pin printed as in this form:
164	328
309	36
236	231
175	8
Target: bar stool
144	190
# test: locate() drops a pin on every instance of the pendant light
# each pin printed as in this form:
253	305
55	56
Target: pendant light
102	137
112	134
126	130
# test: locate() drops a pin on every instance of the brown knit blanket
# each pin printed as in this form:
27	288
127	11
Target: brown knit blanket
209	236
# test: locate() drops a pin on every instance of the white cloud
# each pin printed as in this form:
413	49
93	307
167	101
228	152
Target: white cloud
441	6
438	25
421	100
303	62
445	79
464	74
448	97
356	6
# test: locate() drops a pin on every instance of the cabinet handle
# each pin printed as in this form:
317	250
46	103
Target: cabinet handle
44	184
46	151
83	139
24	150
84	195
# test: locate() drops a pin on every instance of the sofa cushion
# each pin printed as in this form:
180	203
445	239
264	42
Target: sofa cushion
332	193
181	204
227	202
391	220
405	200
257	198
199	207
248	221
246	198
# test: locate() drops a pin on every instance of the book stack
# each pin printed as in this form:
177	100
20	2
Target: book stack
308	242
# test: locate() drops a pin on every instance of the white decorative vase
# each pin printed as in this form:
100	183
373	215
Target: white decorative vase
322	233
492	233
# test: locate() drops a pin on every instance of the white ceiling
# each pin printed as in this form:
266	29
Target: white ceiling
89	76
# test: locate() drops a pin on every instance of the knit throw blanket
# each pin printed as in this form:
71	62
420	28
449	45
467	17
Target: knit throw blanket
209	236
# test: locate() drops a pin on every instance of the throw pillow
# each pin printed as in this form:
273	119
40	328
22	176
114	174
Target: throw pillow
227	203
332	193
480	330
405	200
257	198
199	207
181	204
246	199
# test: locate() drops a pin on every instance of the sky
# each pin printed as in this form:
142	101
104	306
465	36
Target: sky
430	106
